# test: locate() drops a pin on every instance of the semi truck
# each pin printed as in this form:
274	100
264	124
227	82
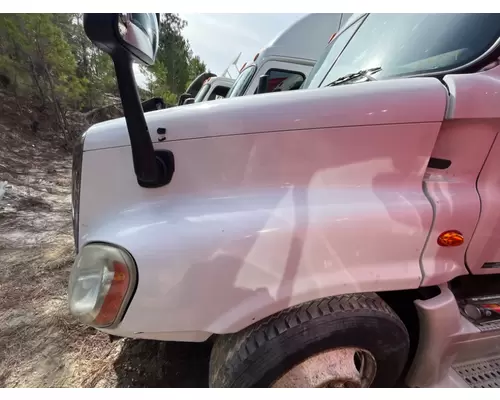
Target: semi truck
289	57
284	63
342	235
208	86
214	88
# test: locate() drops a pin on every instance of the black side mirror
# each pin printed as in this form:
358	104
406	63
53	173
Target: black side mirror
189	101
127	38
263	83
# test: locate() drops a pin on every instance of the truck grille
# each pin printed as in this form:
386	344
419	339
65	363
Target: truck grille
76	186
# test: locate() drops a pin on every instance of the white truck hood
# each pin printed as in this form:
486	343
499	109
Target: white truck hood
372	103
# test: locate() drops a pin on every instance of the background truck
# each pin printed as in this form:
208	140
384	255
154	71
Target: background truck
285	62
214	88
208	86
344	235
290	56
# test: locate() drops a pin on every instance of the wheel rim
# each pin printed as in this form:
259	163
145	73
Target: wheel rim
349	367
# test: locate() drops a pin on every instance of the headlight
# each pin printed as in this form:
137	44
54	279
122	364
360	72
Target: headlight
101	284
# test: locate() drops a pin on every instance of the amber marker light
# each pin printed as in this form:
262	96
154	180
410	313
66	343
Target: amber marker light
450	239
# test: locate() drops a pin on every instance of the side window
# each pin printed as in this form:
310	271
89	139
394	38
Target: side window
242	82
202	93
218	92
281	80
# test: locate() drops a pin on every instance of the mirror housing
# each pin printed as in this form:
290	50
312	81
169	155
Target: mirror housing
263	84
136	34
127	38
189	101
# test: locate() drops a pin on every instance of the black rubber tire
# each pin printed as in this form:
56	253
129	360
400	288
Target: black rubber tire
260	354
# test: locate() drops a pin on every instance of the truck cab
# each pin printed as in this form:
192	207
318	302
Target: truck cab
290	56
214	88
343	235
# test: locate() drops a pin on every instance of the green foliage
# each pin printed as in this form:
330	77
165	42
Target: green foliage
48	60
196	67
36	52
94	68
175	66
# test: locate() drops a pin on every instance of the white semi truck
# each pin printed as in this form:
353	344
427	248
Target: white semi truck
284	63
287	60
211	87
343	235
214	88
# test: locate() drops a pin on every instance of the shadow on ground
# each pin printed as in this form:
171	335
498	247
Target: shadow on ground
149	363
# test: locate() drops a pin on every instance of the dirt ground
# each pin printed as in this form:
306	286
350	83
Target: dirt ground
41	345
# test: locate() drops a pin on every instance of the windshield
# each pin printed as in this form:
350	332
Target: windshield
406	44
242	81
201	94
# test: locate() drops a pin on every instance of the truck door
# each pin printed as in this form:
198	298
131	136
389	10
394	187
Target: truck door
450	185
483	253
218	92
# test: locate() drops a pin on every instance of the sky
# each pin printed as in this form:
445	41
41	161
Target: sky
218	38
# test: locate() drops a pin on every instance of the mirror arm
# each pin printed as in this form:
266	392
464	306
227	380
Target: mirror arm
152	168
142	149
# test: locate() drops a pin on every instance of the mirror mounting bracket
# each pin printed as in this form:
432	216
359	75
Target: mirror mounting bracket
153	168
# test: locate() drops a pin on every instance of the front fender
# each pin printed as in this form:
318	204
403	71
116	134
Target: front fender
252	224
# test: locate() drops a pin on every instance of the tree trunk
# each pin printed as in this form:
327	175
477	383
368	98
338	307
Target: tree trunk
63	123
34	76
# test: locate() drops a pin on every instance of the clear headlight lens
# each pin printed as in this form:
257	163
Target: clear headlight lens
101	284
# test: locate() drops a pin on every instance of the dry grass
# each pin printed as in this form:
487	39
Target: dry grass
41	345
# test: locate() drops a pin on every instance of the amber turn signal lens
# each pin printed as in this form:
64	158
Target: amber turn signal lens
114	297
450	239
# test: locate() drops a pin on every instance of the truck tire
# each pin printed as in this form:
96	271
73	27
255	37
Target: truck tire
316	344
